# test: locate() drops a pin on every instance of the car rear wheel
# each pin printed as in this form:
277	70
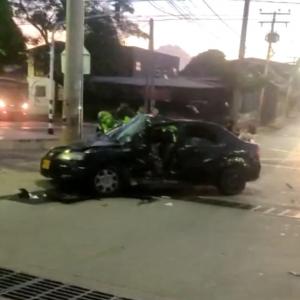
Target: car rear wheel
232	182
107	182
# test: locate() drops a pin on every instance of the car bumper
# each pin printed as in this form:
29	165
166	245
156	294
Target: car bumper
4	113
59	169
253	172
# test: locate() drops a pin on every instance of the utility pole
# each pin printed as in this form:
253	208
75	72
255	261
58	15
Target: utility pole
244	29
73	83
150	76
293	75
237	95
271	38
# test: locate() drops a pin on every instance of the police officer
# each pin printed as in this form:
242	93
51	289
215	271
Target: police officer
124	113
106	121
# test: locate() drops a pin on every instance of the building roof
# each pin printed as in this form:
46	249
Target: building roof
278	74
177	82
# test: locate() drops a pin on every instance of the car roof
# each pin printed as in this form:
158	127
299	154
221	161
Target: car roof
161	120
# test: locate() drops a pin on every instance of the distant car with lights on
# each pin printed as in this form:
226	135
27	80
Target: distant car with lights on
13	100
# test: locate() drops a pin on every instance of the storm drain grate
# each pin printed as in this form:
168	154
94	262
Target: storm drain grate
20	286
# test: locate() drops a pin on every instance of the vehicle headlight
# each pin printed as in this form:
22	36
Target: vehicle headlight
2	103
68	155
25	106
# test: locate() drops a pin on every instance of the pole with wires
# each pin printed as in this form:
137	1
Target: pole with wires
73	69
271	38
244	29
150	89
52	87
52	80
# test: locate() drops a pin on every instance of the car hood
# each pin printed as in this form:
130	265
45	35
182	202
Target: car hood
82	146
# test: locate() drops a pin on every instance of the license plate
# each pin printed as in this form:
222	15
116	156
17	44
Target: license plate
46	164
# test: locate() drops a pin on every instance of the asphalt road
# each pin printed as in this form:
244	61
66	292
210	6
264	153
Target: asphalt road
176	247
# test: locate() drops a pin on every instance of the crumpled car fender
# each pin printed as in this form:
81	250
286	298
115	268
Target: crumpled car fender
234	161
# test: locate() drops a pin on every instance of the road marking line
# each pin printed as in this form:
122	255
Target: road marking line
280	159
280	166
282	150
269	210
256	208
284	212
296	216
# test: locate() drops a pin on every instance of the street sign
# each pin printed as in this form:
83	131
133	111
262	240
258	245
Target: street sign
86	61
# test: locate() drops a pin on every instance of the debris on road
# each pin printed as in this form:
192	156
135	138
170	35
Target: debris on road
289	186
296	274
170	204
23	194
282	234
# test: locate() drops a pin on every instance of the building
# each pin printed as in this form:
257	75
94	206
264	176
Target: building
141	62
137	63
39	84
276	101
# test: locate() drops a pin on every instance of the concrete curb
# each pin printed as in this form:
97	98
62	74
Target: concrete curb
28	144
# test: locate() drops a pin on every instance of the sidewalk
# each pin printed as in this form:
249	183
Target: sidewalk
33	135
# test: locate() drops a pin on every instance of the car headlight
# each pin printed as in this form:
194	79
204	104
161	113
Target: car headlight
68	155
2	103
25	106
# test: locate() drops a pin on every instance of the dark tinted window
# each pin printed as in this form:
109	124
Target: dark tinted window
197	135
40	91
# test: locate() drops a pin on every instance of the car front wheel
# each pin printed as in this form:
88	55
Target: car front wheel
107	182
232	182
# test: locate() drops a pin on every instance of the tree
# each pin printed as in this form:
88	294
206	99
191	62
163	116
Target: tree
41	14
124	25
45	14
12	44
209	63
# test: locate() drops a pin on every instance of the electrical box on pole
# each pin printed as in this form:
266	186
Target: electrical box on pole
86	56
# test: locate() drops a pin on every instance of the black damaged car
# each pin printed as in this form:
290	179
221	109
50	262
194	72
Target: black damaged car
153	148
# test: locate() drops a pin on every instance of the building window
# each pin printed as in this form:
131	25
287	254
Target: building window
40	91
138	66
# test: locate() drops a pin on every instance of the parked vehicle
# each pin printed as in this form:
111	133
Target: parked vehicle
153	148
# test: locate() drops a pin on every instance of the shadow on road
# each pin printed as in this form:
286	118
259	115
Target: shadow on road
73	193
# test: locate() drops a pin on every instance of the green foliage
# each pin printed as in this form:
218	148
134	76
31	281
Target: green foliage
12	45
209	63
44	14
212	63
101	39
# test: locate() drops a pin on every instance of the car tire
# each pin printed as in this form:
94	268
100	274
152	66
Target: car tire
107	182
232	182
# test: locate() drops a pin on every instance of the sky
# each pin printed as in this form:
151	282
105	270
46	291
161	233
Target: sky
208	32
203	30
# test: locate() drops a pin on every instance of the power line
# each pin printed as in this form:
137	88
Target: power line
218	16
192	18
162	10
271	1
182	19
173	4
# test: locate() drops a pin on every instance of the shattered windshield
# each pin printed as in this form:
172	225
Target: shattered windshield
125	133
